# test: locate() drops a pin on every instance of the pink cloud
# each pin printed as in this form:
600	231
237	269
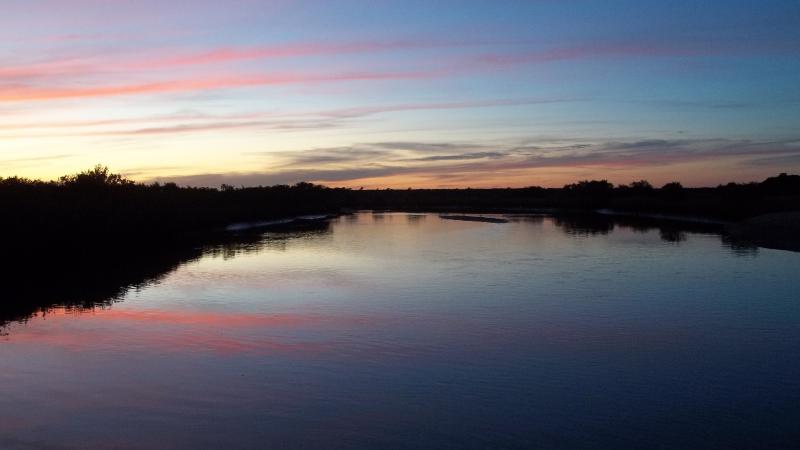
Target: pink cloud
232	54
56	67
159	59
77	68
27	92
76	77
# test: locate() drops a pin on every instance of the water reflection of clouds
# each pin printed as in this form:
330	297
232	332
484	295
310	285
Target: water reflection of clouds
184	331
256	275
415	219
312	334
403	321
327	256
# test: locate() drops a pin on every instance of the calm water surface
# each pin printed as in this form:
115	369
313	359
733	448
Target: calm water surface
409	331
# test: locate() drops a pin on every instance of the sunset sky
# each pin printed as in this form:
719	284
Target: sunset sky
396	94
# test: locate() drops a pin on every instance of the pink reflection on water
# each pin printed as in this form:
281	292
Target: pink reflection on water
313	333
168	331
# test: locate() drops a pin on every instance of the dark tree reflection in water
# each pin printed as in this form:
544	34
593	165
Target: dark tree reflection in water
96	277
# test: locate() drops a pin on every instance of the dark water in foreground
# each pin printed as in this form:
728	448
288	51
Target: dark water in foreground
408	331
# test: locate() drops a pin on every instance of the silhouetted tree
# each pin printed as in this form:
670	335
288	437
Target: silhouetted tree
673	190
99	176
641	187
782	184
590	187
672	186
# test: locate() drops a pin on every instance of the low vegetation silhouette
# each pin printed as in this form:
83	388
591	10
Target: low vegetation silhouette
732	201
97	209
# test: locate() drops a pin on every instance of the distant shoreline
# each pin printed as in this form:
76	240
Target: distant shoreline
472	218
776	231
97	210
779	231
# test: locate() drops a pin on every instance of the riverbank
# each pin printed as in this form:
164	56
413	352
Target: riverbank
99	210
779	231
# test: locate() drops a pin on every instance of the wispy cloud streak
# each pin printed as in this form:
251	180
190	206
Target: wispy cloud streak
189	122
28	92
342	165
64	78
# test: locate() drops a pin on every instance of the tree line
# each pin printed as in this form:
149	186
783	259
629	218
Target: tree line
97	206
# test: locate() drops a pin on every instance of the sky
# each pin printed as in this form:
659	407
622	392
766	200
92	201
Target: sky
379	94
